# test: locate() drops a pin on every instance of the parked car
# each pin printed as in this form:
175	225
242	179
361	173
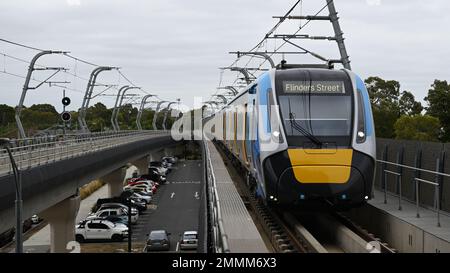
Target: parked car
158	240
121	219
35	219
100	230
153	174
161	169
189	240
139	205
171	159
103	213
146	198
118	205
144	187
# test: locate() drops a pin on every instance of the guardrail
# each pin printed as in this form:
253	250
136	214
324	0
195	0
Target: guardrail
29	153
417	181
219	235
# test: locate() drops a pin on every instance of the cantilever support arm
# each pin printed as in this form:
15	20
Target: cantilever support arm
116	117
156	114
141	109
119	93
165	114
26	87
88	95
261	54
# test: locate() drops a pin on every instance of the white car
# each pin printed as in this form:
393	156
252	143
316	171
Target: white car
146	198
35	219
100	230
103	213
117	205
141	186
189	240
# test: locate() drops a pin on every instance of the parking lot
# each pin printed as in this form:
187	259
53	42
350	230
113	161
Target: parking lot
174	208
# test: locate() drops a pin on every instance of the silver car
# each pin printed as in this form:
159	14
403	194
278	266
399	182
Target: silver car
189	240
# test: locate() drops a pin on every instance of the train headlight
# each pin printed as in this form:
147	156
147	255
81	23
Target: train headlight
361	135
276	136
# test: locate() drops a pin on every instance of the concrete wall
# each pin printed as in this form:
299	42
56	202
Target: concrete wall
415	154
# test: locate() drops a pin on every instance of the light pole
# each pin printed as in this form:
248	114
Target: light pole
4	142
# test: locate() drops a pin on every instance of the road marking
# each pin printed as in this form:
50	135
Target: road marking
178	247
172	195
196	195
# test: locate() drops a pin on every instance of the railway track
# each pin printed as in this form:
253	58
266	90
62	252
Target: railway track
294	232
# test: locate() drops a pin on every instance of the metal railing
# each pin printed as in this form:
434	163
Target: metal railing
29	153
219	235
417	181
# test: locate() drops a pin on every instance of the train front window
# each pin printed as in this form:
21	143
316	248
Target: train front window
316	113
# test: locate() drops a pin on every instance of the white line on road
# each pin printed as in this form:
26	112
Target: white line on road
172	195
196	195
178	247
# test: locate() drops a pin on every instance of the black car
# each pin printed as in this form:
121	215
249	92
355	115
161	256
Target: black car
158	240
154	175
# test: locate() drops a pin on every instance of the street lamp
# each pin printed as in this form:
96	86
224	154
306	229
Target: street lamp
4	142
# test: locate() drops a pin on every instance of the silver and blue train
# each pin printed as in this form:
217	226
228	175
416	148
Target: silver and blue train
302	134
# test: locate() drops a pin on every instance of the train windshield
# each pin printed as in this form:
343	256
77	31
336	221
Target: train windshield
316	107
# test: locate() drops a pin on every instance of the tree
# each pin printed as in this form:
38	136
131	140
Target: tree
439	105
98	117
44	108
6	115
408	105
418	127
384	96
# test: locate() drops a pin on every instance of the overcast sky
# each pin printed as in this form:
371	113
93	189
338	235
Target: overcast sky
174	47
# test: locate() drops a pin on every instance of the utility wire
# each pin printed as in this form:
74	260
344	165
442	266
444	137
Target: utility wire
21	45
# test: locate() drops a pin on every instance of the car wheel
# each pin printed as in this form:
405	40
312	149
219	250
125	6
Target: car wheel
117	238
79	238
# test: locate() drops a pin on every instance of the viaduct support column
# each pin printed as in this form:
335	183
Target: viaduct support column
61	218
142	164
115	181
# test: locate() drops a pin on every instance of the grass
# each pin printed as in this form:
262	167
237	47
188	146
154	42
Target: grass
90	188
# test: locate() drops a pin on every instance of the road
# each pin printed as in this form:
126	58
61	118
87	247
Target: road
176	205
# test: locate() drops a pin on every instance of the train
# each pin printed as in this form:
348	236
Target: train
303	134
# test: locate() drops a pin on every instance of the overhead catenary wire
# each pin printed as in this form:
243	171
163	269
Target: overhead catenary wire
75	75
21	45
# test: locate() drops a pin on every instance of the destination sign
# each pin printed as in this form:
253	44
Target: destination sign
316	87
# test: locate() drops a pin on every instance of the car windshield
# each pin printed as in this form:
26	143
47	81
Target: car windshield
190	236
159	235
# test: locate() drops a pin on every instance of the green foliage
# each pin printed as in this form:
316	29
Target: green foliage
6	115
418	127
408	105
98	117
388	104
439	105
